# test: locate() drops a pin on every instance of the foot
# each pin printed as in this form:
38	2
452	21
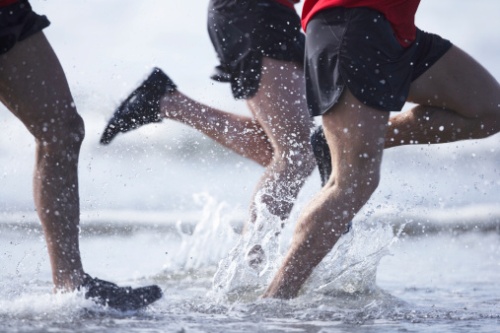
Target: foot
120	298
141	107
256	257
322	154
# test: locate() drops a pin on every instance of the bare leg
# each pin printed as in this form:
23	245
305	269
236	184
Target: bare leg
33	86
276	138
458	100
243	135
279	107
355	134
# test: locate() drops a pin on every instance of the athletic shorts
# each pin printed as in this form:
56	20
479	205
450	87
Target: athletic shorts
357	48
18	22
244	31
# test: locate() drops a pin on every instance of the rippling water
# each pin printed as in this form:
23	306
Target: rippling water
378	279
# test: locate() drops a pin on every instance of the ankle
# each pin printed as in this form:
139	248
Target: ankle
171	104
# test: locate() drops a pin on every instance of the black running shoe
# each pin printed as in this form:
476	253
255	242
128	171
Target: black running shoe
141	107
120	298
322	154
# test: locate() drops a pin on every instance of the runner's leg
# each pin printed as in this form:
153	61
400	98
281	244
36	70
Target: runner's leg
279	107
242	134
457	100
34	88
355	135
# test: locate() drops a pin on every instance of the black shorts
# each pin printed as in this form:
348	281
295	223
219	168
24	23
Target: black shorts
357	48
244	31
18	22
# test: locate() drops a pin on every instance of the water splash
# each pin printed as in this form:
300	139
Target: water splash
247	262
250	265
351	266
39	303
212	238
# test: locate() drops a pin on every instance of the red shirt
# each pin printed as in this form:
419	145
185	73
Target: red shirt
400	13
4	3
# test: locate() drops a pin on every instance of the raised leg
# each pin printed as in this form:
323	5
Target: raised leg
457	99
243	135
277	137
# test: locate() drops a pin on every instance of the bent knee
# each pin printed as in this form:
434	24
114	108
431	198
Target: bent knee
300	161
364	187
306	162
67	130
491	120
360	186
486	122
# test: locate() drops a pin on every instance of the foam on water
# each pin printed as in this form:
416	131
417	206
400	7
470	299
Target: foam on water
33	303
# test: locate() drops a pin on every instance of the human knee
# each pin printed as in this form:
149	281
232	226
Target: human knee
422	113
484	122
362	189
359	184
306	161
490	121
61	132
368	184
299	159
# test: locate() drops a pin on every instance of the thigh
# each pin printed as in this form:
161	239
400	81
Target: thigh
459	83
33	85
279	104
355	134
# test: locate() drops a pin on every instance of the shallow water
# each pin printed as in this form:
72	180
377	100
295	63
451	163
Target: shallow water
436	283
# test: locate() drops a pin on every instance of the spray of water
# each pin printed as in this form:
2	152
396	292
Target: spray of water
250	265
212	238
351	266
244	263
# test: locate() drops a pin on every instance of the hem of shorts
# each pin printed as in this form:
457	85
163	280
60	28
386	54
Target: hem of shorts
389	108
323	111
45	25
252	94
434	60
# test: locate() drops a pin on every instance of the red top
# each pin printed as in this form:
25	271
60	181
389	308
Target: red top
400	13
288	3
4	3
